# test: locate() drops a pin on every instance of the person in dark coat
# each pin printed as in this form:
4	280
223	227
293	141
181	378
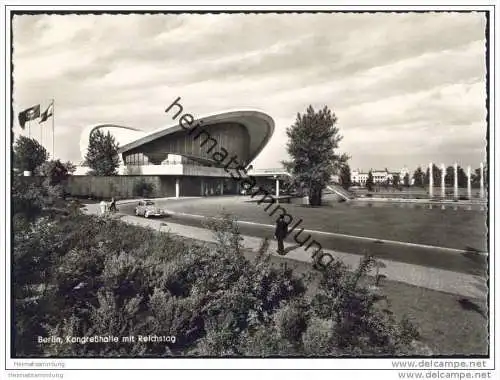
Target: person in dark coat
280	233
112	205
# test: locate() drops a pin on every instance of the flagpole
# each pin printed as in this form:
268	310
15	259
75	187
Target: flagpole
53	117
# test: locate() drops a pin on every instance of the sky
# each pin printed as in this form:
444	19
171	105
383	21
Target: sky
407	88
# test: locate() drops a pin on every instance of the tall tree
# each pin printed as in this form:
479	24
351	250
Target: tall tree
476	177
312	141
345	176
406	180
29	154
449	177
436	175
462	177
395	180
418	177
369	181
102	154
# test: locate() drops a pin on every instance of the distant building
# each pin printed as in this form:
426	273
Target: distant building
379	176
358	177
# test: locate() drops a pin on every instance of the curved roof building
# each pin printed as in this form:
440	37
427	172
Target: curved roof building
239	133
190	158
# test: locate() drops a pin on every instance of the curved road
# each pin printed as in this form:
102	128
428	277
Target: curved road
436	257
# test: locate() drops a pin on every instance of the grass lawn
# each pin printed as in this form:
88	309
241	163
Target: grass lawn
443	323
447	326
446	323
447	228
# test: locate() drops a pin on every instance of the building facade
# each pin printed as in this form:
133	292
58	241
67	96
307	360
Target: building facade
190	159
379	176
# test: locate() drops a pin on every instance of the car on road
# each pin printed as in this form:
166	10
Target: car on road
147	208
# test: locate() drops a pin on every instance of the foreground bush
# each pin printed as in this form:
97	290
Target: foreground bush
85	276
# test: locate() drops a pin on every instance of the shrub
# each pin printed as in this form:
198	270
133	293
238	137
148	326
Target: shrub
55	171
27	199
318	339
144	189
266	341
92	276
291	321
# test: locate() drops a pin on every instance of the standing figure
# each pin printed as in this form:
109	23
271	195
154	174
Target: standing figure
280	233
112	205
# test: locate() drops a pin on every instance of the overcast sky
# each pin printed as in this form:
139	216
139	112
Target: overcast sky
407	88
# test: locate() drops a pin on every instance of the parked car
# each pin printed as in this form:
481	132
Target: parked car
148	208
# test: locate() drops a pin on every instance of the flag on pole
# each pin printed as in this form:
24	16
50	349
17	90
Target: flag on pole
47	113
28	114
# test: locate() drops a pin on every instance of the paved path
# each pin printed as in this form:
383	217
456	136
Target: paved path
458	229
187	212
432	278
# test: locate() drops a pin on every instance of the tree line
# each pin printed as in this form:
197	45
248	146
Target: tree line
422	178
101	157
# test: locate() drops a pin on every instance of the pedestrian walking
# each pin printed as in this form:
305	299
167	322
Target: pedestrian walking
112	205
280	233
